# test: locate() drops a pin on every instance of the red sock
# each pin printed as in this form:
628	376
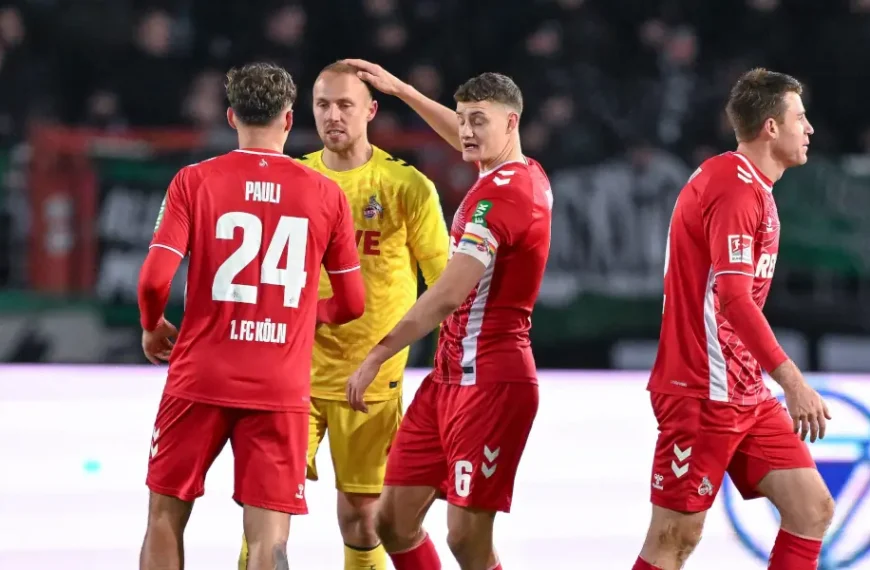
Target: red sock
792	552
642	564
421	557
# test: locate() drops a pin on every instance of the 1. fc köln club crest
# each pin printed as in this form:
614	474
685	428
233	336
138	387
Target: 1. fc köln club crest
373	209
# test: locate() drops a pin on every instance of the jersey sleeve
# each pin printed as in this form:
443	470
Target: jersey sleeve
732	212
499	217
427	233
172	230
341	255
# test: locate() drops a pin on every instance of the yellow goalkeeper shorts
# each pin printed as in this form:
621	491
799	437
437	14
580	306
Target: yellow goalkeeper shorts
358	442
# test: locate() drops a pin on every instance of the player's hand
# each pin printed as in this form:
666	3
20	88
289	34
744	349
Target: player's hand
157	344
377	76
807	410
359	383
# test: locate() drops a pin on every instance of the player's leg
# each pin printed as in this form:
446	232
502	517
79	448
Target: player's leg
316	431
470	538
773	462
187	438
416	471
267	533
270	450
486	427
163	547
359	444
697	439
672	536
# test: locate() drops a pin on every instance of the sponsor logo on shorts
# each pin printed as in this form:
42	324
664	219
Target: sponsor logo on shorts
705	488
300	493
657	481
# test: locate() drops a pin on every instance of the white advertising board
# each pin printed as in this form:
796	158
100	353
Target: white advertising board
74	447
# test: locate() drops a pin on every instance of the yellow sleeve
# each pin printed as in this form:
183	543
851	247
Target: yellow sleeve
427	233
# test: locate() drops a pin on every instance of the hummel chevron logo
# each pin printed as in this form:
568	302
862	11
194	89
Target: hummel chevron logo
491	455
682	455
501	181
507	172
154	436
679	471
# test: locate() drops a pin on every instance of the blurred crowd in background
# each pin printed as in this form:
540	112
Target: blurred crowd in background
599	75
624	98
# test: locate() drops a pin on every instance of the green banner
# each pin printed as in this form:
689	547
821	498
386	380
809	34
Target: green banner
825	208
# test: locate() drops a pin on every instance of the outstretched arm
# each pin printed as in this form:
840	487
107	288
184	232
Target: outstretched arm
440	118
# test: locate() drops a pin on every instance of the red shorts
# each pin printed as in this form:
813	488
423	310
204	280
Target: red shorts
466	441
700	440
269	448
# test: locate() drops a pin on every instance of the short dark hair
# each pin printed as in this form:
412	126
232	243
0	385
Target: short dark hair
758	95
491	87
341	67
258	92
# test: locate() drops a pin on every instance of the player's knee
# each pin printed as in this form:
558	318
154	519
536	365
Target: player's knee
167	514
356	519
469	534
269	553
810	517
387	528
679	537
461	544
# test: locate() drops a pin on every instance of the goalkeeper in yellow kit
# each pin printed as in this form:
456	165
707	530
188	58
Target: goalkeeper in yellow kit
399	225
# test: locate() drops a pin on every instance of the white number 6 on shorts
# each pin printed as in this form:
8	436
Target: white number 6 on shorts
463	477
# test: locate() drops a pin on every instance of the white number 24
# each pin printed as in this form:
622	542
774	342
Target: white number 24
291	233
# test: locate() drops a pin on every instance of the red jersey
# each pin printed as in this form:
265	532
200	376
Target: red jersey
504	222
725	221
257	225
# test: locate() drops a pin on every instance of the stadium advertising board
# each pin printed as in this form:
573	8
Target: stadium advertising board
75	443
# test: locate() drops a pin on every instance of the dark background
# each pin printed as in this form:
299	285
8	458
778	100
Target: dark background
101	101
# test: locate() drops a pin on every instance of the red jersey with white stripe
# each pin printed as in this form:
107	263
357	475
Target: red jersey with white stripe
725	221
257	226
504	222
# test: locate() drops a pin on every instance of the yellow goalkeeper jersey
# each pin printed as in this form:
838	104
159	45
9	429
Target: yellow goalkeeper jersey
399	225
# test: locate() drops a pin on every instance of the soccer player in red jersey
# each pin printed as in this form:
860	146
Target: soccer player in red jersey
714	412
465	431
257	226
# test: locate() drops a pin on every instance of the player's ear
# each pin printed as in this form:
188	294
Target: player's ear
771	128
288	121
513	122
231	118
373	110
